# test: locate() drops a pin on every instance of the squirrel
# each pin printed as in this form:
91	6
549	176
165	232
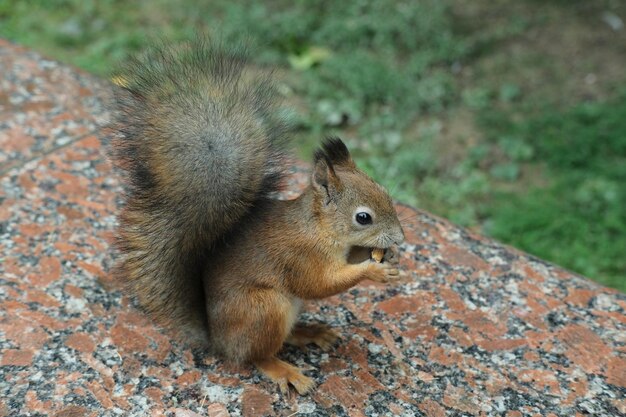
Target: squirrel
205	247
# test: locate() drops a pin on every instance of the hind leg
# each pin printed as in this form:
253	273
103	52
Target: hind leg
256	334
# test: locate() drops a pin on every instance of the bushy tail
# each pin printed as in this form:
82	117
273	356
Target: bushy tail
200	145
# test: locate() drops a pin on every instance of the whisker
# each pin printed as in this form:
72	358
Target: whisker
409	217
402	210
371	242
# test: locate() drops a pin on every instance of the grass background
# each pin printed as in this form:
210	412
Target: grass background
507	117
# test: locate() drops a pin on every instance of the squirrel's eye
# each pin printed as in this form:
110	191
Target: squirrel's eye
363	218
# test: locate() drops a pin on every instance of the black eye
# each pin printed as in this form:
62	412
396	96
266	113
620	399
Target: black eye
363	218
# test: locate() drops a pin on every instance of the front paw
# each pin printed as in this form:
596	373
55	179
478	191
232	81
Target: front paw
392	255
383	272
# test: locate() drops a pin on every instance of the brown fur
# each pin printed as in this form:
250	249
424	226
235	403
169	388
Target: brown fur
204	249
296	250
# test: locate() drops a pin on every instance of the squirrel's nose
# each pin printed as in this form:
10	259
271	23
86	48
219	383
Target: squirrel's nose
399	237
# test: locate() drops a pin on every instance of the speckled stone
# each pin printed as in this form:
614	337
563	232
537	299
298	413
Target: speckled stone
474	328
43	105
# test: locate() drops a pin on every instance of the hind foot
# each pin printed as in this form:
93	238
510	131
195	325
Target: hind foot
318	334
284	374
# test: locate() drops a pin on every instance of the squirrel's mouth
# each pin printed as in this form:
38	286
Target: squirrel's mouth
358	254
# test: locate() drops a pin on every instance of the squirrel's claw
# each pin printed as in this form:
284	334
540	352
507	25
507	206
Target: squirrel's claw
283	386
284	374
318	334
326	339
302	384
383	272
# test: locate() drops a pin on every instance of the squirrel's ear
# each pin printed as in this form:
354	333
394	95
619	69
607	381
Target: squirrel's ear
333	154
324	178
337	153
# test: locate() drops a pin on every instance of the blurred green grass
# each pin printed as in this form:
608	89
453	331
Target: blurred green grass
578	217
486	113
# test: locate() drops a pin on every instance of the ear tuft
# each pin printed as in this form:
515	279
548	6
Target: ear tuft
334	152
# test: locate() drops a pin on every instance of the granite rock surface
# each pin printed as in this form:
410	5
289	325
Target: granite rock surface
474	328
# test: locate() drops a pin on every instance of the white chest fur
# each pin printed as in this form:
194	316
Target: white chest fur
292	314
